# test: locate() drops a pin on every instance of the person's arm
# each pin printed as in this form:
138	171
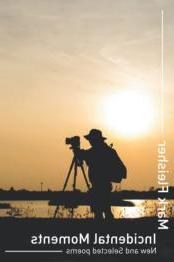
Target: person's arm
81	154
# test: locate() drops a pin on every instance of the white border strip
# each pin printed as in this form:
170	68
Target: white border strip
33	251
162	73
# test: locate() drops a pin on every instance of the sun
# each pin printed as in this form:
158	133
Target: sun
129	113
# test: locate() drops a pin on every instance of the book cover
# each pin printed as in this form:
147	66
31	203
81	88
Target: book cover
86	160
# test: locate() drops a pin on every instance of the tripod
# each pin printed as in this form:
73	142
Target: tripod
75	164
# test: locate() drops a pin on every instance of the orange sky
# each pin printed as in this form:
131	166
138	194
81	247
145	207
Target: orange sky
59	60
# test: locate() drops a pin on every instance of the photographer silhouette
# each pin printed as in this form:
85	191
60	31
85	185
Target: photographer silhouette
97	159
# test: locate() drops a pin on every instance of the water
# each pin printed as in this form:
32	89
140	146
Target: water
41	209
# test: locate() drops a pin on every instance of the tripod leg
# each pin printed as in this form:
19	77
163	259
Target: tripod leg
65	184
75	176
69	173
83	172
72	212
74	183
55	212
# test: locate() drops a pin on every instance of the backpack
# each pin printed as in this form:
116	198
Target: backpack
116	169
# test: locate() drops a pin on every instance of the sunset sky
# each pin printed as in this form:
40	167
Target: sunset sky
61	62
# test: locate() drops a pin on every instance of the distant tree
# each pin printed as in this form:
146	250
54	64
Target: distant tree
152	188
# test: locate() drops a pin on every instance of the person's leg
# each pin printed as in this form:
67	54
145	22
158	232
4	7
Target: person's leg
98	215
107	206
98	212
96	208
108	213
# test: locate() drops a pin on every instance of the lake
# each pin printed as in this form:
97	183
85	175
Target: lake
41	209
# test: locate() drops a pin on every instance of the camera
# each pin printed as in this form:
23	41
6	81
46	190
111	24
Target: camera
73	141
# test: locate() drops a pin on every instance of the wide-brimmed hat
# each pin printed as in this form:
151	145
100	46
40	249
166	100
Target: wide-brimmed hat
95	134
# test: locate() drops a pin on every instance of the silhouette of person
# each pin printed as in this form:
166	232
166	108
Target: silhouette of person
96	160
